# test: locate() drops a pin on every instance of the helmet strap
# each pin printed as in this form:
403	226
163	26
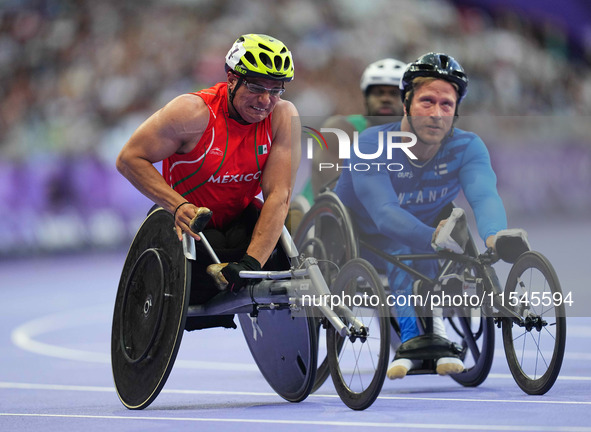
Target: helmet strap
231	95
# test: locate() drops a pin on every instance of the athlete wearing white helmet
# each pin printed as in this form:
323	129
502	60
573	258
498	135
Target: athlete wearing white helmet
387	71
379	84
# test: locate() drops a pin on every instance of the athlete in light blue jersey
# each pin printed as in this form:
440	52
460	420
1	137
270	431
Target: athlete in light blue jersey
413	193
397	201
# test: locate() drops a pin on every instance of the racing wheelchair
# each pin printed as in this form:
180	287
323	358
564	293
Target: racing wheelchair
529	310
153	304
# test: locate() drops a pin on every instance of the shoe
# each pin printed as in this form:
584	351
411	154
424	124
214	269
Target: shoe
400	367
448	366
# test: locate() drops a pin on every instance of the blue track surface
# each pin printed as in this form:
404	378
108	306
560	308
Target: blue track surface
55	323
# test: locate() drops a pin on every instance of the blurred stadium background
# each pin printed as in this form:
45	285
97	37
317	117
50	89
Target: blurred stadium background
77	77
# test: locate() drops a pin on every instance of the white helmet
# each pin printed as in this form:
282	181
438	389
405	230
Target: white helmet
382	72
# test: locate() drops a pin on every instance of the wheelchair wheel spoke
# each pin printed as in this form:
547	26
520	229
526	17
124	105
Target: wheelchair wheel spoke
322	234
359	368
535	351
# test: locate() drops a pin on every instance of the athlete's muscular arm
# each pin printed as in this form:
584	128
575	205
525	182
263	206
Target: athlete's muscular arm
376	192
479	183
176	128
277	180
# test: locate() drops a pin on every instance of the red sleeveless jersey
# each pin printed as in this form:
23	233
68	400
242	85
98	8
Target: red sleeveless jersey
223	171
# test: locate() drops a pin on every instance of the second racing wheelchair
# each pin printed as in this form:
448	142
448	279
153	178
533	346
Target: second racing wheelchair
529	308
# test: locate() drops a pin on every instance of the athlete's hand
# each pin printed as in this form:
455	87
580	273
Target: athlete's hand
227	275
452	233
437	229
183	215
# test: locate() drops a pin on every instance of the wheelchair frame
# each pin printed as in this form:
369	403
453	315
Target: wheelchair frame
495	306
149	319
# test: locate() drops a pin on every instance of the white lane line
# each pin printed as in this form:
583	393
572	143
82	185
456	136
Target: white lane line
439	426
568	355
25	337
30	386
560	377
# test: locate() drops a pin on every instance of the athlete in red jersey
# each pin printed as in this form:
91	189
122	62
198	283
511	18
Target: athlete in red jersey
223	171
221	146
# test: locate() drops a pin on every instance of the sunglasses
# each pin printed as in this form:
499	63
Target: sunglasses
259	89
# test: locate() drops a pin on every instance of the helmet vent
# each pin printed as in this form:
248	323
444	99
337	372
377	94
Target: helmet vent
287	64
248	55
426	67
266	60
278	62
265	47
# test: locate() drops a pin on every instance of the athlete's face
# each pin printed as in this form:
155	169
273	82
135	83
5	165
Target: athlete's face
432	111
256	97
383	100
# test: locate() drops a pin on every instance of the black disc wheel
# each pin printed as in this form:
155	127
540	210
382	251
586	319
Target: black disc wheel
476	335
284	348
150	311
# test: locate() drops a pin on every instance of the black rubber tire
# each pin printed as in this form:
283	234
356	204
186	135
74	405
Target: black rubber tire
370	354
533	273
335	244
482	355
150	311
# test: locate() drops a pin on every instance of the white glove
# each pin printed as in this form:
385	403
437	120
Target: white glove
453	235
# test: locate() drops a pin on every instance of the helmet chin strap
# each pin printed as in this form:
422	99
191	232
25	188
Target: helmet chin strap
231	95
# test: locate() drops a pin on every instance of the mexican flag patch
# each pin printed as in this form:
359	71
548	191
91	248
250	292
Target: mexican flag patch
262	149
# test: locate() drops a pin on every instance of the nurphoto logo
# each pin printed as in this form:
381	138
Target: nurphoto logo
387	141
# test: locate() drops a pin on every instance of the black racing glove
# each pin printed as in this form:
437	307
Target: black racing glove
227	276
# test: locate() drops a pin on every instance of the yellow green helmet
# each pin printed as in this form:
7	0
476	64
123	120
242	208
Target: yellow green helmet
259	55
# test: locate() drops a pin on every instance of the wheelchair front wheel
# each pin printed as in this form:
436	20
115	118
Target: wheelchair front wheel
535	347
358	362
326	234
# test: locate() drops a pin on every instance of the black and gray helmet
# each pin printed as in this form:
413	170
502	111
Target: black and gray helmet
435	65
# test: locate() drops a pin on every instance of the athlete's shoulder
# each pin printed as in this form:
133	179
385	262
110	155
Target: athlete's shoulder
185	112
358	121
461	136
216	91
284	115
285	108
467	144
